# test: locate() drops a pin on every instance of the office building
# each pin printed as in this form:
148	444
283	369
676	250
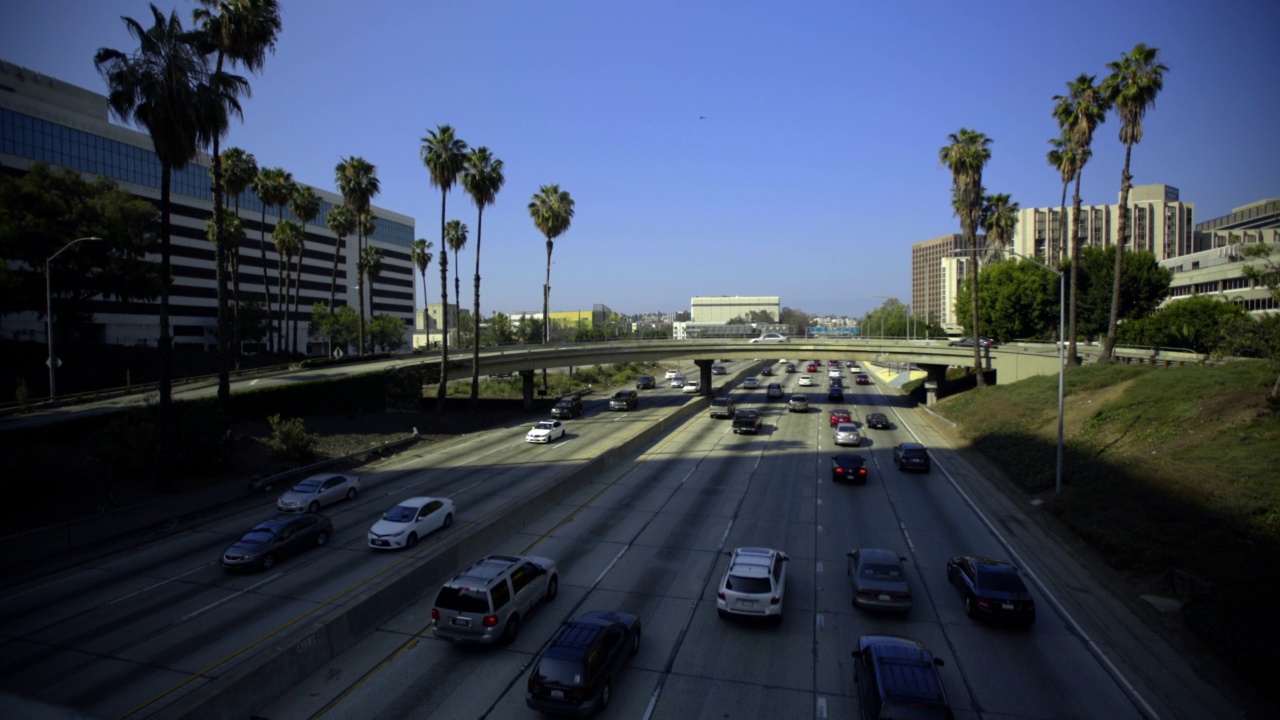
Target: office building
1217	269
937	268
46	120
1159	222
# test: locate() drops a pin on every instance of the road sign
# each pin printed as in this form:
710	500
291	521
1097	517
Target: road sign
57	362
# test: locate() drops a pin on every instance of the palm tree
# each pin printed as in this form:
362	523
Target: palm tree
966	154
242	31
305	205
444	155
271	186
1078	113
420	255
357	180
239	169
482	178
456	241
455	236
369	265
288	241
341	222
1135	81
999	220
166	87
1063	159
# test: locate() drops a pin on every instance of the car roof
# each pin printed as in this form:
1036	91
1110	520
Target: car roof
849	459
749	411
752	561
912	446
878	555
846	427
417	501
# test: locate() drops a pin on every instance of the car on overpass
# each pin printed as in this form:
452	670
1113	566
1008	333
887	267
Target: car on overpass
770	338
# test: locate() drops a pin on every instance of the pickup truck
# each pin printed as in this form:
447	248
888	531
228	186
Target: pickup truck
746	421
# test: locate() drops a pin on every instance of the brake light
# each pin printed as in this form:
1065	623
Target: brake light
720	595
983	603
490	621
840	470
775	600
435	615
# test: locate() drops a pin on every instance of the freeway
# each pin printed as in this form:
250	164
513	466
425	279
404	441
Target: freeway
134	633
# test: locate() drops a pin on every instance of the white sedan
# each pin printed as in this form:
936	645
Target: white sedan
805	381
403	525
677	381
545	431
671	373
770	338
690	387
751	383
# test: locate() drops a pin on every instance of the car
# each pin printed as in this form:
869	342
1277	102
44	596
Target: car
487	601
849	468
879	421
754	584
848	434
798	403
834	372
911	456
878	580
672	373
812	367
575	673
766	371
411	520
805	381
624	400
690	387
862	379
751	383
722	407
567	407
835	394
545	431
968	342
719	370
836	382
898	677
276	539
852	366
746	421
992	589
677	382
646	382
770	338
773	392
839	415
833	364
790	367
316	491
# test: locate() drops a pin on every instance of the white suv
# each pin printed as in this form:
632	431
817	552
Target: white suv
486	602
754	584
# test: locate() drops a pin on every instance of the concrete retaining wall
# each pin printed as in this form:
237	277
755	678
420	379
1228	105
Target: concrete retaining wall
254	683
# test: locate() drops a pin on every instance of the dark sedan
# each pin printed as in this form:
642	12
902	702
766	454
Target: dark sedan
849	468
276	539
766	371
835	394
862	379
879	421
992	589
646	382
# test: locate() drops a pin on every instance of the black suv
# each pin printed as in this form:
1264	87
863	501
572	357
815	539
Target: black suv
624	400
569	406
646	382
575	674
898	677
911	456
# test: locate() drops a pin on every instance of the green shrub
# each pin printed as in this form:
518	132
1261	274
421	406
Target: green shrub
289	436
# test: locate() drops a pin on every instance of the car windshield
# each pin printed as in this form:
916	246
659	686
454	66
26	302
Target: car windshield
872	571
463	600
1001	582
309	485
258	535
559	671
565	404
400	514
545	426
749	585
913	452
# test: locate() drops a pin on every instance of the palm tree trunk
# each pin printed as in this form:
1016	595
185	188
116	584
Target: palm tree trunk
475	320
165	342
266	282
233	261
1062	226
546	310
333	278
1072	356
297	285
1122	233
360	285
442	389
220	261
972	242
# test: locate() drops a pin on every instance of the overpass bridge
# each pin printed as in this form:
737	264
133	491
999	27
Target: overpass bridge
1012	362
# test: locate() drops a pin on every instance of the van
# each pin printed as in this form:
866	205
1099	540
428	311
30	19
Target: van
898	677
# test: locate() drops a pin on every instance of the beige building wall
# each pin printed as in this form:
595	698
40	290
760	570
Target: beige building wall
935	278
722	309
1159	223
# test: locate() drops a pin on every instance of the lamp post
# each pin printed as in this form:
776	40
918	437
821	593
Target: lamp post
48	313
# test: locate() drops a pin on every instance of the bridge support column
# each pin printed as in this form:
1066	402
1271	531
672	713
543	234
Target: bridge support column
936	380
704	377
526	387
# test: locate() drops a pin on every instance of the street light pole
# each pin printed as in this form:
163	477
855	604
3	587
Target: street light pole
48	313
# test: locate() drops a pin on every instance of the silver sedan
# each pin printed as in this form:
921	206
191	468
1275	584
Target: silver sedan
878	580
317	491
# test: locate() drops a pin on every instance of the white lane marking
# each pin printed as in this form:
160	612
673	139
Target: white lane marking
152	587
819	502
819	528
907	535
233	596
818	619
653	701
615	560
725	538
819	566
822	707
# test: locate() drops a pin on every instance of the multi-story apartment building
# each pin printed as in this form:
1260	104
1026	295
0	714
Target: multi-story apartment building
723	308
46	120
937	268
1218	268
1159	222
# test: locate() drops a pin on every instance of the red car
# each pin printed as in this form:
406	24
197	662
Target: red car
862	379
840	415
812	367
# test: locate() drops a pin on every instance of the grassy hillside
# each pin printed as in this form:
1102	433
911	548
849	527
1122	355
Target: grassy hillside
1170	473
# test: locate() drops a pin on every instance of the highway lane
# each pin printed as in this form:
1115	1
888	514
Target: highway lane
650	538
115	635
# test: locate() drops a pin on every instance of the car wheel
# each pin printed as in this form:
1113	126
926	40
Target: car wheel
635	642
314	506
511	630
604	695
968	607
351	494
412	540
321	538
448	520
553	587
268	561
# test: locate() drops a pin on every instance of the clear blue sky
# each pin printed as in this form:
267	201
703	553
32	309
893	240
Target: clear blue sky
723	148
